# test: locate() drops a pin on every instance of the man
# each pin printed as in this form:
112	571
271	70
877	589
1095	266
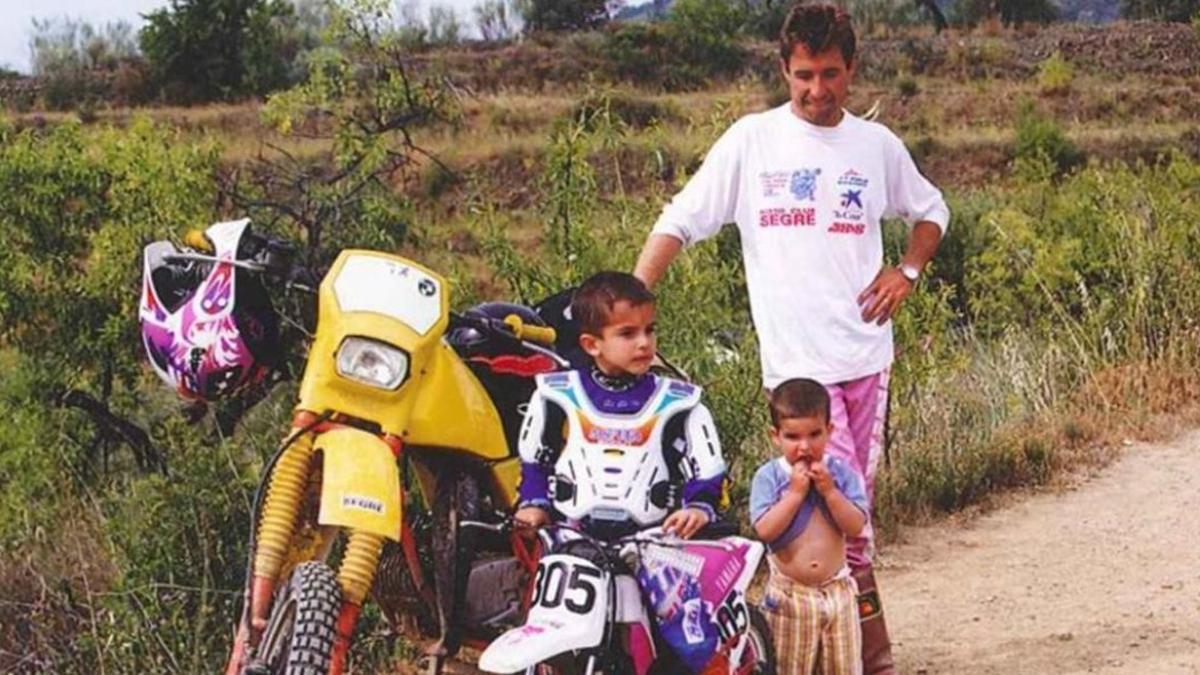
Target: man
807	184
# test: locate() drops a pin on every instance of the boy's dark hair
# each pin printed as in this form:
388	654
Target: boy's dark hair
594	301
817	27
799	397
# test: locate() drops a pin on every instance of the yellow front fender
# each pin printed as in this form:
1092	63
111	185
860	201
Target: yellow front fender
360	488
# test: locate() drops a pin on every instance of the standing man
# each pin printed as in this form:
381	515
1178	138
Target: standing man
807	184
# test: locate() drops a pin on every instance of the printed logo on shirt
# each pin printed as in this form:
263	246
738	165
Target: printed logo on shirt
852	199
774	183
787	217
841	227
853	178
804	184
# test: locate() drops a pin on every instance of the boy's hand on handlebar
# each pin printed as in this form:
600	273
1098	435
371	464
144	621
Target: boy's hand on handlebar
685	522
531	517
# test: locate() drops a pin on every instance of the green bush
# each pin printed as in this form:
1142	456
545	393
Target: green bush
697	43
1055	75
1040	138
633	110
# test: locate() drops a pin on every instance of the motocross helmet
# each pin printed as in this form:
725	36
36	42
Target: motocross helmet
207	326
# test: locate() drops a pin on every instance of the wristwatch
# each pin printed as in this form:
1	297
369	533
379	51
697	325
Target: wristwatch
910	272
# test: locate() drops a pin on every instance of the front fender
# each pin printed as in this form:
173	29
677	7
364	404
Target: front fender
568	613
360	485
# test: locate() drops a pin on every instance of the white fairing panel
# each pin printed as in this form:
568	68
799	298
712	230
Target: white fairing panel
570	603
372	284
225	236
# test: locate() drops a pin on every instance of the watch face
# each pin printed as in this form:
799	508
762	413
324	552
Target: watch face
909	272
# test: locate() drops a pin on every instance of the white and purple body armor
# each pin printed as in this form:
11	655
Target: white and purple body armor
619	457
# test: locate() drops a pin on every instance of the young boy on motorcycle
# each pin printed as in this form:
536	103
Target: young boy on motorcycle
804	504
616	316
612	448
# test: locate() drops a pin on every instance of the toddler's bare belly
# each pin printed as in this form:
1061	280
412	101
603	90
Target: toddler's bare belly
814	556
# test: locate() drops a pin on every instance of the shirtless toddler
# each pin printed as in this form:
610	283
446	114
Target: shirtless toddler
804	504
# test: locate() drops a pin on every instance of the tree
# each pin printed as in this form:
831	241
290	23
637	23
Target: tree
564	15
68	44
444	26
201	50
76	61
1160	10
491	16
1011	12
363	100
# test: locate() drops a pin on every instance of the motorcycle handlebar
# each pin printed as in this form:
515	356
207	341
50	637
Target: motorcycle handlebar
198	240
543	335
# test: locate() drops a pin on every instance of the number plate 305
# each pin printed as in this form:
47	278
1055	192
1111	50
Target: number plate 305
568	589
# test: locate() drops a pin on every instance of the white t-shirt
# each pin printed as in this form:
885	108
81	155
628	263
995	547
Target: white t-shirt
807	201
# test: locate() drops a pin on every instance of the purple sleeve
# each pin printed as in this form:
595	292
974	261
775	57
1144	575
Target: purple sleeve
704	494
534	489
764	492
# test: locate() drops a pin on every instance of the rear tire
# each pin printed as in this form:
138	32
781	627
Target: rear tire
763	645
302	627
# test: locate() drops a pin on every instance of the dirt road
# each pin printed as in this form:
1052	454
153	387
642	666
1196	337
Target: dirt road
1100	578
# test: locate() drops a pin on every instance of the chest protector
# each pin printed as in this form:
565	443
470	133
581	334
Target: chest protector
611	467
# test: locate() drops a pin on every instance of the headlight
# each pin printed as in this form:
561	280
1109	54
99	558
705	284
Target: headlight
370	362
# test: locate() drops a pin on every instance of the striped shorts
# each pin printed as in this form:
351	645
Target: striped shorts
814	627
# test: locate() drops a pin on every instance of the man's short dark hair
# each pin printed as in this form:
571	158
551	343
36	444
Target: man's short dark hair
594	301
817	27
799	397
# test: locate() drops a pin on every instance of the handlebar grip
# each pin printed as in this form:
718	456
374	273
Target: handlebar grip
543	335
198	240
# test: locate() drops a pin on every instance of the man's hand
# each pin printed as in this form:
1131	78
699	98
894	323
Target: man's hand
882	298
821	478
800	480
531	517
685	522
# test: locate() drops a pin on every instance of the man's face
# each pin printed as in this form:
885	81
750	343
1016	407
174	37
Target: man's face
819	84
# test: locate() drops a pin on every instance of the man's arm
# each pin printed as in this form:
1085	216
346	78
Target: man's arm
883	297
657	254
922	244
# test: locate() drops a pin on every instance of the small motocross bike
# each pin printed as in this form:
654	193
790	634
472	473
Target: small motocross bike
395	386
593	603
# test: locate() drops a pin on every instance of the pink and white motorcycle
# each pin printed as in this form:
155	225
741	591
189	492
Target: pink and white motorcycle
593	602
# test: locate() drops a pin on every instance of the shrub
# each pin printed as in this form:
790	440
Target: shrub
1055	75
697	43
1160	10
1039	136
633	110
907	86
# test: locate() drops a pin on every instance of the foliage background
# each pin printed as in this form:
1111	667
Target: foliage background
1059	315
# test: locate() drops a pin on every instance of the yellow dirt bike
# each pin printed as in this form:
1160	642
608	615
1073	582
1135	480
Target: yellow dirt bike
396	386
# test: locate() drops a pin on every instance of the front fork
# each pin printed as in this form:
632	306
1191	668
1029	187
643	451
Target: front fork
285	492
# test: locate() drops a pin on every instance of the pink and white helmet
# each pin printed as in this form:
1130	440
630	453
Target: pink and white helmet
207	325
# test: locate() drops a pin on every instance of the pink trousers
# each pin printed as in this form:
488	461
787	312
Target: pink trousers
858	411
